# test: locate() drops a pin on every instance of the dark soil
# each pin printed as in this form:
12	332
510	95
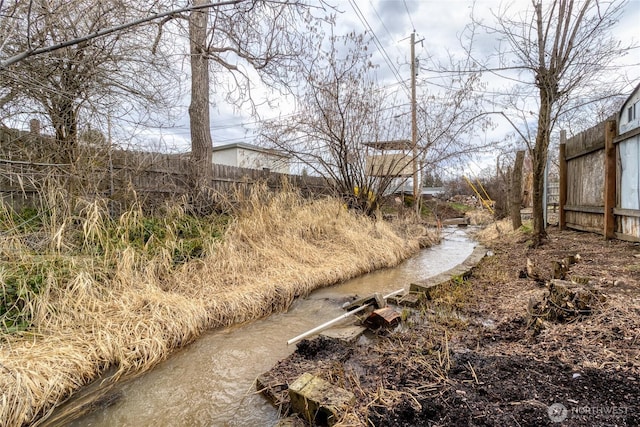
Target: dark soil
512	390
323	348
477	354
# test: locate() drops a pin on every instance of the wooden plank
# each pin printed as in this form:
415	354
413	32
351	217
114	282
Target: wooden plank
585	180
585	209
586	142
626	135
586	151
579	227
609	179
627	212
585	221
562	222
626	237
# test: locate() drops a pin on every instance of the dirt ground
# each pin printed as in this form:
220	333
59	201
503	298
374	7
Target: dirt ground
484	352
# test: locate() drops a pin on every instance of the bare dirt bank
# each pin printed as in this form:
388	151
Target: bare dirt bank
479	354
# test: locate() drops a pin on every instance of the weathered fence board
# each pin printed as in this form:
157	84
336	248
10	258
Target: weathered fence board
600	182
585	179
150	175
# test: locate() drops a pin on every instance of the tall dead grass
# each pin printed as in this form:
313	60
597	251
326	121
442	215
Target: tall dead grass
129	308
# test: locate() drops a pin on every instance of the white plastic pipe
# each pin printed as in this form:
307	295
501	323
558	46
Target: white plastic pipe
337	319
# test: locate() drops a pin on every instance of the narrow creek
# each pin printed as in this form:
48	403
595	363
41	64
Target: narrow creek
211	382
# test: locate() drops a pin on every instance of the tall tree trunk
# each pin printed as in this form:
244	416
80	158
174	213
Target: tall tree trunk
64	118
201	143
516	191
65	122
539	162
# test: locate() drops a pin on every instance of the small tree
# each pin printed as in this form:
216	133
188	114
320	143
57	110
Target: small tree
340	123
561	48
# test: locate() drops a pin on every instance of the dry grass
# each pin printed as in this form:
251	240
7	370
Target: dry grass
480	216
129	307
502	230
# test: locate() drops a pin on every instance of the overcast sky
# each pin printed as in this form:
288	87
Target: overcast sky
438	24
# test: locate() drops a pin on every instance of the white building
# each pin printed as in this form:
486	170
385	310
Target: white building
251	157
628	146
629	118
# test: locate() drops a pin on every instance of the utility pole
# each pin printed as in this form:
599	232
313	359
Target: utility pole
414	126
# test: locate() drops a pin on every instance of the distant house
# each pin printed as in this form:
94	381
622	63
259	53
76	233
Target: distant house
251	157
390	159
629	118
628	145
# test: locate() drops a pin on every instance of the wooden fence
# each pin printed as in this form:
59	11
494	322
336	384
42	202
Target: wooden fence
590	174
118	173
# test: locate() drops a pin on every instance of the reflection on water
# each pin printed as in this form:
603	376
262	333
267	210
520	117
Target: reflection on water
211	382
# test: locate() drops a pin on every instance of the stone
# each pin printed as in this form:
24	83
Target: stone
348	333
376	299
318	401
411	299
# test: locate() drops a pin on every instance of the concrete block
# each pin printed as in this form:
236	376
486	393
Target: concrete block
463	270
427	286
462	221
348	333
376	299
318	401
411	299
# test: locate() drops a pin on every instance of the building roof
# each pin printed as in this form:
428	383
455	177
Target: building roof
251	147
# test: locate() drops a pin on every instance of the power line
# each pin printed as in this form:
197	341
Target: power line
409	14
383	24
378	44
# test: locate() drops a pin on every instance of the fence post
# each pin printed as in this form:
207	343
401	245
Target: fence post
562	186
609	179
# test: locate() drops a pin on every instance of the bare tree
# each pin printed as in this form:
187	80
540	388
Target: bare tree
515	191
201	143
230	46
356	134
8	11
119	71
561	49
339	127
451	122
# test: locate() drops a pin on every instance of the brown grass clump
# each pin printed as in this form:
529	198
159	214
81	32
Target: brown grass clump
128	307
502	230
480	217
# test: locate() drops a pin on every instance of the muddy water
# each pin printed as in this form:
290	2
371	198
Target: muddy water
211	382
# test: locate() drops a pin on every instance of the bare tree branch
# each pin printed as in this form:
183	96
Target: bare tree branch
107	31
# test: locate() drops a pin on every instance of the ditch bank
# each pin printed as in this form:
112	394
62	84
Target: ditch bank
470	356
329	377
126	308
211	382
